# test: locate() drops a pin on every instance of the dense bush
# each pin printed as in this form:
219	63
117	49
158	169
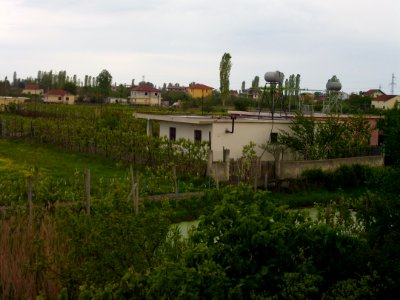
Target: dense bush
345	177
246	248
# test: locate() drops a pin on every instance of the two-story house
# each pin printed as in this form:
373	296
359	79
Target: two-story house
145	95
374	93
198	90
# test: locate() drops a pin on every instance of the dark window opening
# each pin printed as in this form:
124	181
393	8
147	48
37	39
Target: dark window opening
273	137
172	133
197	135
59	98
381	139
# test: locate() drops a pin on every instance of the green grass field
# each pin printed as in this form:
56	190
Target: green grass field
17	158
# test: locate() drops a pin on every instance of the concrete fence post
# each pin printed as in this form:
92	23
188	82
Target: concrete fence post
209	162
227	161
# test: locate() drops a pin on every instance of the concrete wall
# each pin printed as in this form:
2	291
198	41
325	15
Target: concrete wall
293	169
244	133
67	99
185	131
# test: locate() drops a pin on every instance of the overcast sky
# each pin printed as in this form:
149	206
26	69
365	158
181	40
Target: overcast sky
181	41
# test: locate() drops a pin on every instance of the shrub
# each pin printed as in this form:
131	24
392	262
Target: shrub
241	104
314	178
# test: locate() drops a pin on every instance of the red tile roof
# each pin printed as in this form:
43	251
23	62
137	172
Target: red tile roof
32	87
56	93
145	88
372	91
200	86
384	98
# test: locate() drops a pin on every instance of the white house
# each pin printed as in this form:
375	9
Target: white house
385	101
32	89
58	96
231	132
373	93
145	95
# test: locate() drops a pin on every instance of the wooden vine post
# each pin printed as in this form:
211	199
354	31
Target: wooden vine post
87	191
30	202
134	193
175	180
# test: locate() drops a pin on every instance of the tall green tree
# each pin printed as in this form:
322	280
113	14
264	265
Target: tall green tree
103	81
255	83
390	126
15	80
70	87
224	73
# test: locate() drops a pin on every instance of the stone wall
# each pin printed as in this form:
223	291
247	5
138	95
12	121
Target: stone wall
293	169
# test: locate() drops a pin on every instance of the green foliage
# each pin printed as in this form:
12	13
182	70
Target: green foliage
302	137
345	177
242	104
246	163
224	73
109	241
103	81
357	103
120	92
246	248
104	131
70	87
390	125
332	138
380	215
173	97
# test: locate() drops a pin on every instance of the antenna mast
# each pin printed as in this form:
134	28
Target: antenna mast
392	84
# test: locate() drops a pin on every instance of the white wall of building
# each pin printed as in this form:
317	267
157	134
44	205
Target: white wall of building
244	132
389	104
185	130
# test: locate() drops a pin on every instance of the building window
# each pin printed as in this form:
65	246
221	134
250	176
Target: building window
273	137
67	98
59	98
155	94
197	136
145	93
172	133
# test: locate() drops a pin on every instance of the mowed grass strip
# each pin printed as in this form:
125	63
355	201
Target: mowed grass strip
18	158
